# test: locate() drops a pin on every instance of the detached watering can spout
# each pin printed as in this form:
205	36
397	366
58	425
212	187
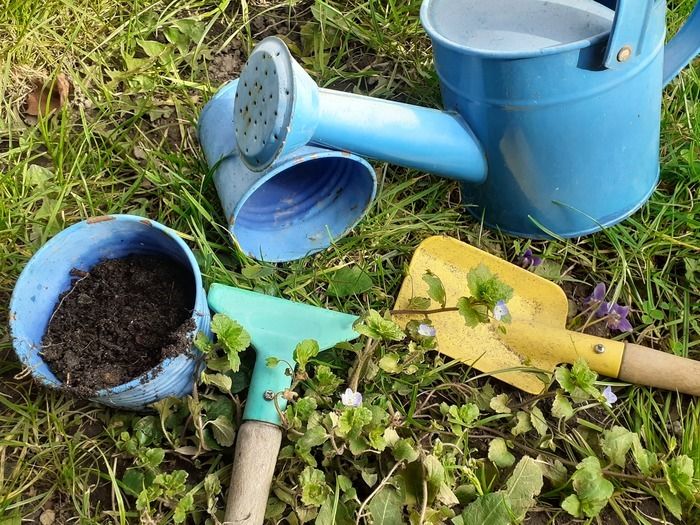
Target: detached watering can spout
280	108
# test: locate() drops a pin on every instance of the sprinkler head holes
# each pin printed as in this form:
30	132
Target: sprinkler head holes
264	102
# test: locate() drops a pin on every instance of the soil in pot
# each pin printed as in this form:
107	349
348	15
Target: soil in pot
119	320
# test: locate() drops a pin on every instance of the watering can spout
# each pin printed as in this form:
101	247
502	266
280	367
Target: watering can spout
281	108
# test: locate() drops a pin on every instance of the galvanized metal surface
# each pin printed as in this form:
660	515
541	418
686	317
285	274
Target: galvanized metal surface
298	205
536	339
82	245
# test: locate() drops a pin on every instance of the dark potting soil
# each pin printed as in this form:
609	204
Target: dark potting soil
119	320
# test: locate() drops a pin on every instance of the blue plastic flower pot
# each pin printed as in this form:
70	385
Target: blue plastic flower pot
296	206
83	245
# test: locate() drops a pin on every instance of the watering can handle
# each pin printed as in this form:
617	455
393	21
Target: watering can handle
257	446
628	30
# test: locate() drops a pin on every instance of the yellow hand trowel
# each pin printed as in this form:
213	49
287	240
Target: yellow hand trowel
536	340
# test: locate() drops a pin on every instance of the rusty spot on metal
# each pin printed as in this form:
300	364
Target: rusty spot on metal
146	222
99	218
231	220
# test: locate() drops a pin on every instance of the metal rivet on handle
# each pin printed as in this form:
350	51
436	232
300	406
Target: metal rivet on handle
624	54
599	348
269	395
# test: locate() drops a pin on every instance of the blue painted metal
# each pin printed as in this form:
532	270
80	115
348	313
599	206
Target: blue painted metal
416	137
83	245
276	326
572	146
293	208
628	31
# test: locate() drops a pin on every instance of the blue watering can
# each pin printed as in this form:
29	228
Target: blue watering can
553	109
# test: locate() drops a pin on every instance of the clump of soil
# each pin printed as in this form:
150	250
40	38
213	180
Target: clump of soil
119	320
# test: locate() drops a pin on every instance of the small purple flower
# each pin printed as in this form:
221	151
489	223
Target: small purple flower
609	396
426	330
529	260
597	296
500	310
616	317
350	398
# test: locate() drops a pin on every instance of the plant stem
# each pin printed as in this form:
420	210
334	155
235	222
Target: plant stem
424	312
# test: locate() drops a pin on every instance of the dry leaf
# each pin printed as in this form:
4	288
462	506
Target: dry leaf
48	97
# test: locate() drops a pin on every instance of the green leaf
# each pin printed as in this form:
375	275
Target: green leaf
256	271
499	453
305	351
313	437
185	505
147	431
386	507
472	313
272	362
152	48
223	430
390	363
561	408
153	457
221	381
436	291
538	421
463	415
232	337
313	487
326	381
679	476
592	490
523	424
349	281
491	509
403	450
487	288
577	382
376	327
436	480
327	517
556	473
419	303
203	343
523	485
615	444
352	420
645	459
499	404
133	481
671	501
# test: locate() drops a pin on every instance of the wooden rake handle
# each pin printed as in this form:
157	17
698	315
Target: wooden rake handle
257	447
645	366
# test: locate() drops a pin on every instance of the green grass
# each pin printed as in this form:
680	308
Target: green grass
126	143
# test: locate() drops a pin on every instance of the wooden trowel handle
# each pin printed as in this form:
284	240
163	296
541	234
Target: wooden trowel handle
257	446
644	366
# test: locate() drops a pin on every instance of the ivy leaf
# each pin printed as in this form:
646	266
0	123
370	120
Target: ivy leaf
326	381
615	444
349	281
305	351
499	404
221	381
523	424
577	382
524	484
592	490
538	421
436	291
147	431
644	458
232	337
472	312
153	457
203	343
313	487
679	476
499	453
390	363
403	450
386	507
419	303
376	327
561	408
672	502
352	420
183	507
490	508
222	429
487	288
133	482
313	437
